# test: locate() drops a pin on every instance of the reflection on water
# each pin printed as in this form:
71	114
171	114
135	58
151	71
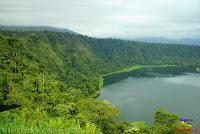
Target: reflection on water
188	79
139	97
149	72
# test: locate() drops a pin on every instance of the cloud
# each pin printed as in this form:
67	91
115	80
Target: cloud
108	18
113	2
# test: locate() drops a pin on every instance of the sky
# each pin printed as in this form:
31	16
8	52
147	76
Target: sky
108	18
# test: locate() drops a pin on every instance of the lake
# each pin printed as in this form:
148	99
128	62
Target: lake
139	96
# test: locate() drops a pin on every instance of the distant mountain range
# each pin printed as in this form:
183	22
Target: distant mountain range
35	28
187	41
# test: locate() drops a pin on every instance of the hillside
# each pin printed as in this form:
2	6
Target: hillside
35	28
52	76
187	41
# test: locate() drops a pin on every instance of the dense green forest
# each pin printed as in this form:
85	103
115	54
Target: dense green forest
53	78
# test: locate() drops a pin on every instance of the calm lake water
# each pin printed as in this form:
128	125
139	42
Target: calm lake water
139	97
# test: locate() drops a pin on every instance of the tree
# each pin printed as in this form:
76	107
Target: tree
98	112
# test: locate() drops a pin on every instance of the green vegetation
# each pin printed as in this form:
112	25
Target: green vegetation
54	77
136	67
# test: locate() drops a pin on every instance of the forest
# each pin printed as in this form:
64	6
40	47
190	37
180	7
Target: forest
52	79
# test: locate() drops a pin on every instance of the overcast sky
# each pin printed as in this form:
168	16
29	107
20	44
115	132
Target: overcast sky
108	18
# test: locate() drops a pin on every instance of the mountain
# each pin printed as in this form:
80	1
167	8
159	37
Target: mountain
189	41
53	77
186	41
36	28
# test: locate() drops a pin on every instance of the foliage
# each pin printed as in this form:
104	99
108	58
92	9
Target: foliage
164	123
98	112
38	121
54	76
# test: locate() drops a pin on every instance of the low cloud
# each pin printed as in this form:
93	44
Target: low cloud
108	18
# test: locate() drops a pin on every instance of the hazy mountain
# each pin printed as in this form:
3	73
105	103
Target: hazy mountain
35	28
188	41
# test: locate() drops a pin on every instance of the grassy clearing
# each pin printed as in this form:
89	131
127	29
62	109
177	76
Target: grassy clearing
136	67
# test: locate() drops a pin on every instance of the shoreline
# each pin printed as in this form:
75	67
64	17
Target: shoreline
137	67
124	70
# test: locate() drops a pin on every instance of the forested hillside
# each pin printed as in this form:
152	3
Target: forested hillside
52	77
35	28
119	53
